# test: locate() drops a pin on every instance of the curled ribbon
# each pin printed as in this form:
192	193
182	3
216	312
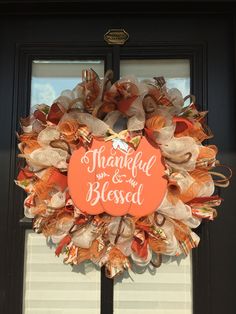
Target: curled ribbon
113	135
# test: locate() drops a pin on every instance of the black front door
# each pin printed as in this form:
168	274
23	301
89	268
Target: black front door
206	41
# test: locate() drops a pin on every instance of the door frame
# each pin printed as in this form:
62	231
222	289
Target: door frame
24	54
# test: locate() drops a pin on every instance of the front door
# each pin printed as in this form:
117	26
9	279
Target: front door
43	54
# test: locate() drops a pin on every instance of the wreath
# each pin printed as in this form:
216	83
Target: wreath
117	173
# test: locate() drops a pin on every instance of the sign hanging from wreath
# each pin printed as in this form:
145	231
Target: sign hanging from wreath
118	173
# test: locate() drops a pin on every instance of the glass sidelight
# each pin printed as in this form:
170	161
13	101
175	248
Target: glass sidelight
175	71
51	287
167	289
50	78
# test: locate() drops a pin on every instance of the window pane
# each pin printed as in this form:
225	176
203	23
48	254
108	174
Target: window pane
50	78
50	287
176	72
169	289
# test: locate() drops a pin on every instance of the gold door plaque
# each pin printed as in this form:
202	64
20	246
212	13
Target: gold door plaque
116	36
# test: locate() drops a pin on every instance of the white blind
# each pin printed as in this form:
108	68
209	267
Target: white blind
53	288
168	291
65	69
170	68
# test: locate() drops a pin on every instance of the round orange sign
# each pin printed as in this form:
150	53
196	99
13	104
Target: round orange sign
107	178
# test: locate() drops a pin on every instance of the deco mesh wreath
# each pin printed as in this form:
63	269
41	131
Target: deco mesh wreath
117	174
